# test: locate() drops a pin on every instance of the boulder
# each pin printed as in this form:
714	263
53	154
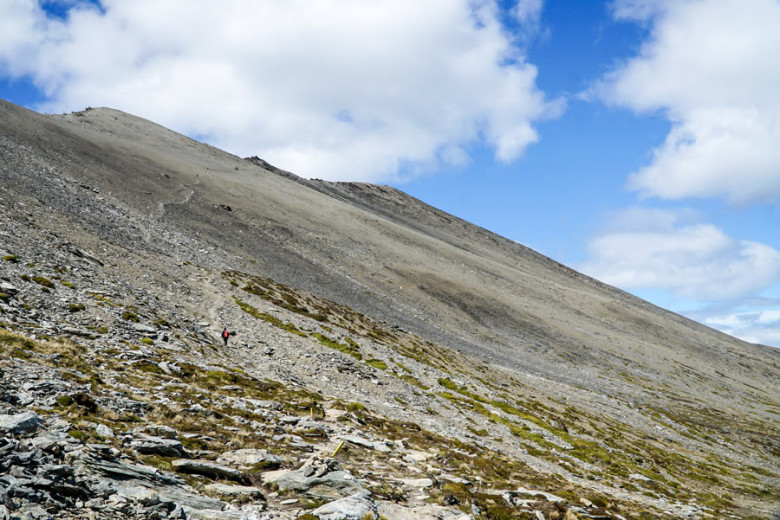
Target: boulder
148	445
207	469
358	506
246	459
144	329
316	479
104	431
22	423
158	430
418	483
8	288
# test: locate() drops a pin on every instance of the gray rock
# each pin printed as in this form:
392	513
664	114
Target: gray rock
104	431
640	477
426	512
240	492
77	332
25	422
354	507
130	472
200	514
144	329
208	469
372	445
419	483
8	288
316	479
168	368
162	431
135	491
249	458
265	404
30	512
149	445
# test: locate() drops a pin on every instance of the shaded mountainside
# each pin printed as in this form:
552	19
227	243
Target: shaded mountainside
391	360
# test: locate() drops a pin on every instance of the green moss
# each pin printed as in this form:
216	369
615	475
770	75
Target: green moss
161	322
76	434
449	385
163	463
11	258
414	381
76	307
104	299
43	281
377	363
68	284
147	341
64	400
4	297
350	348
266	465
130	316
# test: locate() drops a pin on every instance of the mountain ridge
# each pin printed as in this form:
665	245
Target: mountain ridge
118	188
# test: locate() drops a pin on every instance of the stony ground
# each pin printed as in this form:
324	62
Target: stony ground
119	400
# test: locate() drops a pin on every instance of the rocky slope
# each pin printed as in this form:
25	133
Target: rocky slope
390	360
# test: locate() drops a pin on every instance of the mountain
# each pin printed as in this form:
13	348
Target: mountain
452	371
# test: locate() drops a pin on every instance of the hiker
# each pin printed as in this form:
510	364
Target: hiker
225	335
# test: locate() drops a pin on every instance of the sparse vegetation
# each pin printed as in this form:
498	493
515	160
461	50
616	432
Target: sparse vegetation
43	281
130	316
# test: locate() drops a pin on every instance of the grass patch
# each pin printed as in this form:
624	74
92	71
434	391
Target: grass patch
273	320
350	349
43	281
377	363
130	316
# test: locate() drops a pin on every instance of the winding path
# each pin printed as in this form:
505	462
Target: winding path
160	213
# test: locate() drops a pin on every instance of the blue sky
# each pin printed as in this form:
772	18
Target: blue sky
637	141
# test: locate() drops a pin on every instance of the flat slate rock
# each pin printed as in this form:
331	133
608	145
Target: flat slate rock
208	469
241	492
21	423
248	458
353	507
148	445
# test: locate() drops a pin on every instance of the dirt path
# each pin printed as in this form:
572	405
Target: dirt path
160	212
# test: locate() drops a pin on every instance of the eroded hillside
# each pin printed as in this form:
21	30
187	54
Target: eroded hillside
122	260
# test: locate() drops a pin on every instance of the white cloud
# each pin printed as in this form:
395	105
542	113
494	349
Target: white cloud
667	250
337	90
760	326
712	67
